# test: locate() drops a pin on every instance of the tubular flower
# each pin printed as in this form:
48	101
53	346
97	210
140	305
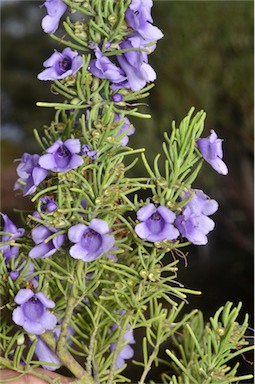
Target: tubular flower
91	241
32	313
12	233
138	16
62	157
47	204
45	248
45	354
194	223
126	127
103	68
127	352
211	150
86	150
156	223
61	65
30	173
135	64
55	9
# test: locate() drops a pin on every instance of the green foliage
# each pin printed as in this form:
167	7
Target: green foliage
203	350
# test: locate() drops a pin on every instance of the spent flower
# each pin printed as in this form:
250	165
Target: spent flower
86	150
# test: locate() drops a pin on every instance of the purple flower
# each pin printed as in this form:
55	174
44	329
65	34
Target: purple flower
156	223
194	223
14	274
61	157
211	150
103	68
30	173
127	352
86	150
45	248
135	65
46	204
12	233
45	354
117	98
61	65
138	16
137	77
32	314
126	127
55	9
91	241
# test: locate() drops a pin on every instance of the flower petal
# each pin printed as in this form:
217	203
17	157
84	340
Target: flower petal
44	300
45	354
39	234
23	296
75	233
47	161
78	252
33	327
145	212
100	226
18	316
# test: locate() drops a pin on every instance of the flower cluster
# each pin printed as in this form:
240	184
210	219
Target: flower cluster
60	157
133	72
194	223
12	233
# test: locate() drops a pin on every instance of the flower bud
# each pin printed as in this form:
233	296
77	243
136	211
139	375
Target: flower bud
21	339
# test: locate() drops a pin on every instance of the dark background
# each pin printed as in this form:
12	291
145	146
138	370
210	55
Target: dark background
205	60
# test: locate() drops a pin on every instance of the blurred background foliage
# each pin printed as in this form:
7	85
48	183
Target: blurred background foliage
205	60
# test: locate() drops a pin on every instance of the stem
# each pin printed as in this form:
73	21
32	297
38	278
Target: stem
92	343
147	368
117	350
61	351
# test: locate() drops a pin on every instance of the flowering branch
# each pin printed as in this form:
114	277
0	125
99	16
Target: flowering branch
92	264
